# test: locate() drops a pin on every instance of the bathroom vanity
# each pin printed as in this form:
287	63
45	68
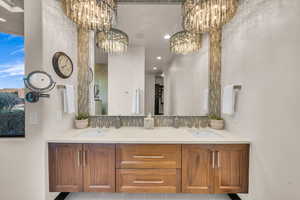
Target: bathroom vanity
169	161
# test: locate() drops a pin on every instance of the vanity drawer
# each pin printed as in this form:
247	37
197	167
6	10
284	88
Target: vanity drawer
149	180
148	156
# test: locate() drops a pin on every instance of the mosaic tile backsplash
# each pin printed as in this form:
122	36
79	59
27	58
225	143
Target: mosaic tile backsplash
138	121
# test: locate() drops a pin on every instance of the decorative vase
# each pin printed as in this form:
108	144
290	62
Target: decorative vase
80	124
217	124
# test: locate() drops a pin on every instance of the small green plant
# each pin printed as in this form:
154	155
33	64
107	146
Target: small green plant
215	117
82	116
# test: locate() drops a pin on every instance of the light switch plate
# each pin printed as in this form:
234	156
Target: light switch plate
59	115
33	118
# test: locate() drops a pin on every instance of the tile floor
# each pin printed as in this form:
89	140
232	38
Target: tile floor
114	196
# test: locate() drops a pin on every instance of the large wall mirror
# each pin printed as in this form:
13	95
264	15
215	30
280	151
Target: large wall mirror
148	78
12	113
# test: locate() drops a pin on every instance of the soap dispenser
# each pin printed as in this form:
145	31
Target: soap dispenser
149	122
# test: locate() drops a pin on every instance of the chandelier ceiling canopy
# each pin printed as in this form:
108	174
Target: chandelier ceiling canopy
91	14
113	41
185	42
200	16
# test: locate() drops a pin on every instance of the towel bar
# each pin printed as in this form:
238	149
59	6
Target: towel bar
237	87
61	86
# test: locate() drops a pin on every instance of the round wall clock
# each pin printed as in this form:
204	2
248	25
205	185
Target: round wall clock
62	64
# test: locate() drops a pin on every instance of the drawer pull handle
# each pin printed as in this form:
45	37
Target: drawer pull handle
148	182
78	159
149	157
218	154
84	159
213	159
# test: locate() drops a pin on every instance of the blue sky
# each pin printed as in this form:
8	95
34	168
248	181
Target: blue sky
11	61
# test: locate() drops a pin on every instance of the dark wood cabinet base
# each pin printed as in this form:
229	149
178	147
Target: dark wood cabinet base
62	196
234	197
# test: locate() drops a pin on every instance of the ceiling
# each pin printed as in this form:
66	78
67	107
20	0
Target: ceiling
146	25
11	11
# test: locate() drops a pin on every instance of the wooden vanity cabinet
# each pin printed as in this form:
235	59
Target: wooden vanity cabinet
149	180
231	168
99	167
148	156
82	167
197	170
65	168
149	168
215	168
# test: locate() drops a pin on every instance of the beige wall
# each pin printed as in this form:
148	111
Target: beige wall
186	78
261	50
125	74
23	167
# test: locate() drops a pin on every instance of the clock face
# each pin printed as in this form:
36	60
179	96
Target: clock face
63	65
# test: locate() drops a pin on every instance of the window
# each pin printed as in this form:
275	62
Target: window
12	111
12	115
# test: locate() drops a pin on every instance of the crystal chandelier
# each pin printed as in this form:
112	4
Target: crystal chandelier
91	14
203	15
185	42
113	41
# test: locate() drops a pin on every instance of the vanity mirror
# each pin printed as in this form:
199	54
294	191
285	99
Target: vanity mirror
148	77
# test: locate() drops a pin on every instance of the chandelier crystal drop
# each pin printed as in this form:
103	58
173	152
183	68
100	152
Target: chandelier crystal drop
200	16
113	41
185	42
91	14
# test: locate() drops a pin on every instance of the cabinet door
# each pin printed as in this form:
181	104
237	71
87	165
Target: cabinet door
99	167
232	166
65	167
197	169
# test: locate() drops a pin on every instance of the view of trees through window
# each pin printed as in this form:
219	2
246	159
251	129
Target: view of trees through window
12	113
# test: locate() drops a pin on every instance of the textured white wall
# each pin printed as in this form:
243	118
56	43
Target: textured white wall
23	168
125	74
59	34
186	78
261	50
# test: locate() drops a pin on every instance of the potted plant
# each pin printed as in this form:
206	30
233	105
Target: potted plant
216	122
82	120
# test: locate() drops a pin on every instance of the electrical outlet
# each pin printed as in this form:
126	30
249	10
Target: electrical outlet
59	115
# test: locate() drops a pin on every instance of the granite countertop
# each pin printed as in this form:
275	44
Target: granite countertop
159	135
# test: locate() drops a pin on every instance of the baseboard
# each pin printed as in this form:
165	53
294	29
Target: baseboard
62	196
234	197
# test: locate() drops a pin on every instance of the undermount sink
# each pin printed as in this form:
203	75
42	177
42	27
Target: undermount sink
206	134
91	133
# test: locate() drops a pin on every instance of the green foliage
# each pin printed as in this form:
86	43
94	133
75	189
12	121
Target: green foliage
215	117
8	101
12	123
82	116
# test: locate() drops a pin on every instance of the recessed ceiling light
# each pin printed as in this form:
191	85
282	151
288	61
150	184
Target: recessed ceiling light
167	36
2	20
154	68
158	57
162	75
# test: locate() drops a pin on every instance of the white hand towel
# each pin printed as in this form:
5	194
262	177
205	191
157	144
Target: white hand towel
134	102
228	100
205	102
69	99
138	101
